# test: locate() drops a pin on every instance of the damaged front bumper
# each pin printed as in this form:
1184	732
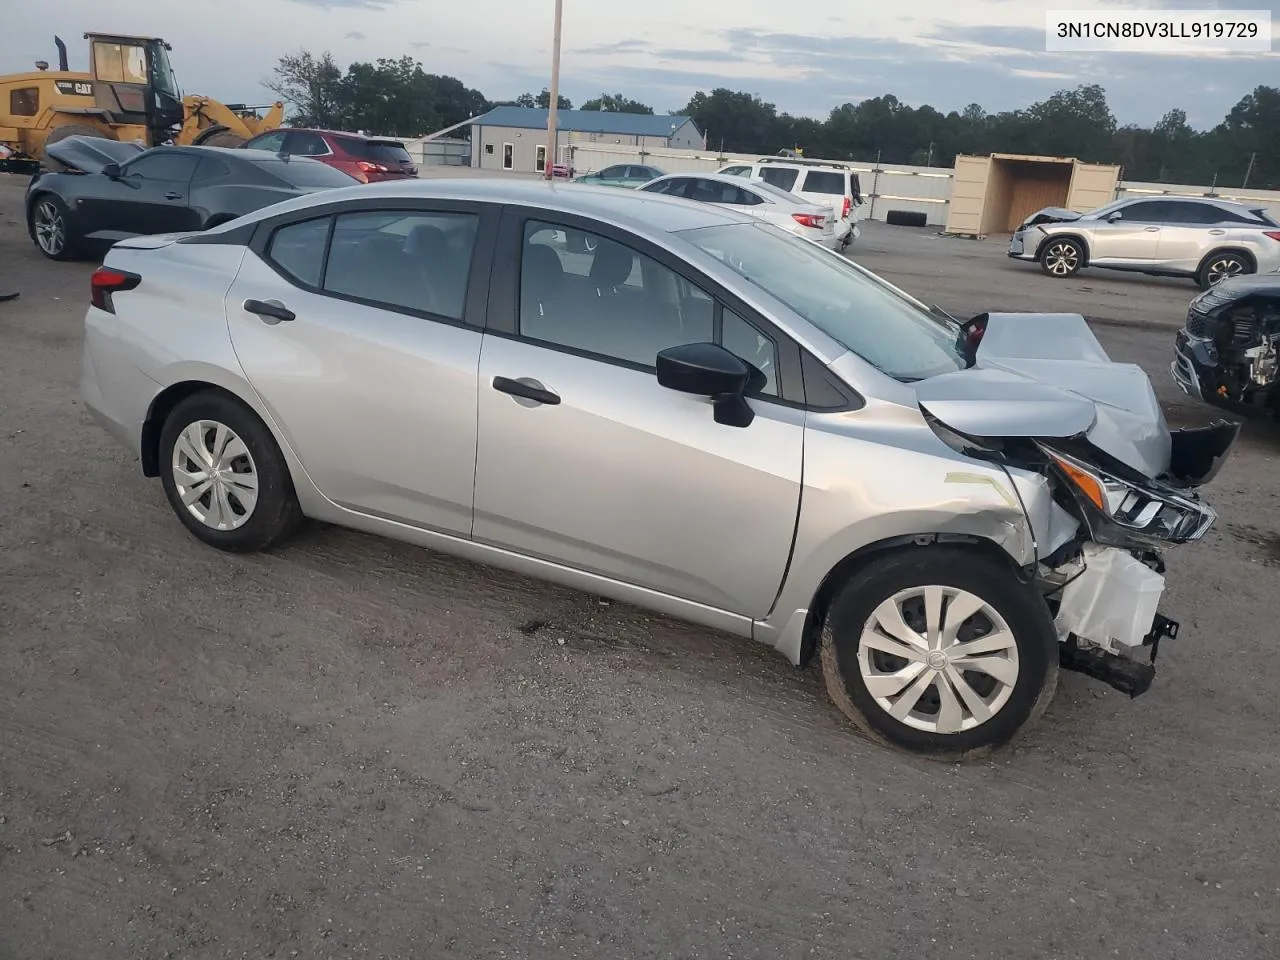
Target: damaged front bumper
1240	378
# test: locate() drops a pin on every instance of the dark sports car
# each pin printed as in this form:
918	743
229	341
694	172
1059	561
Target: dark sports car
1228	354
106	190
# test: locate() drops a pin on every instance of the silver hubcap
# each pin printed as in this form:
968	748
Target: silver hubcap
938	659
51	230
215	475
1062	259
1222	269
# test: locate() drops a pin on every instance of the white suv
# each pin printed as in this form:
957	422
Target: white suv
818	181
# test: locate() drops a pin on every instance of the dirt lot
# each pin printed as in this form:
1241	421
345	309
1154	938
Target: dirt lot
353	748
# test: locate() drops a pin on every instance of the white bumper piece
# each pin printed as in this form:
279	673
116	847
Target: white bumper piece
1113	603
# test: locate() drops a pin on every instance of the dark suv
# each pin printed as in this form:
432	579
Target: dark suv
368	159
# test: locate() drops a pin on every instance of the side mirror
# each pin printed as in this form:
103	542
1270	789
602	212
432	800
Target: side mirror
111	171
1113	217
708	370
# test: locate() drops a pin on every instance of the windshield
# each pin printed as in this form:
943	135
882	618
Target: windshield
162	77
300	172
1105	209
893	333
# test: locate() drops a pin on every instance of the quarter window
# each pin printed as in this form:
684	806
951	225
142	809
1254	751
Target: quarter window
414	261
298	250
820	181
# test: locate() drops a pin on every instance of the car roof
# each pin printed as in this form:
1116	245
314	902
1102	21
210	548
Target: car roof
640	212
1215	201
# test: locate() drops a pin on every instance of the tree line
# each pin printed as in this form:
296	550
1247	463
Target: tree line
399	98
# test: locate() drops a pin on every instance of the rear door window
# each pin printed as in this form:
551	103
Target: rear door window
307	145
412	260
271	142
784	178
826	182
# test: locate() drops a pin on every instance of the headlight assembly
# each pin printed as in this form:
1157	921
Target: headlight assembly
1122	513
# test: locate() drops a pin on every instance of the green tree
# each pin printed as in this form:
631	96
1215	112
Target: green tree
614	103
542	100
735	120
311	85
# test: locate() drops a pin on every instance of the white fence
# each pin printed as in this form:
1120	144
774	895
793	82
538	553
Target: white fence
886	186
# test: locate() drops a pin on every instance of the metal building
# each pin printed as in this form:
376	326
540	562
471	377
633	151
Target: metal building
515	138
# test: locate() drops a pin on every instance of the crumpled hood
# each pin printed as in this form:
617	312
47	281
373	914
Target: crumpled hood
1050	215
1045	375
91	154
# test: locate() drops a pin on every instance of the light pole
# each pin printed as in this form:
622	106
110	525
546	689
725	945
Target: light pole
554	105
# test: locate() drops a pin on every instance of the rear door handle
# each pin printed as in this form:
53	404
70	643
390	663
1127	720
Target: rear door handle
271	311
526	389
173	196
1153	229
1217	233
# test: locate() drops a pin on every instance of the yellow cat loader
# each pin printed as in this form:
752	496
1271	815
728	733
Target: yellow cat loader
130	93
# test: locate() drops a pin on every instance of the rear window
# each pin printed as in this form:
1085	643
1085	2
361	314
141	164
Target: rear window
386	151
306	173
780	177
820	181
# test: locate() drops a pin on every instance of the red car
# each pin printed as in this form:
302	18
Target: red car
368	159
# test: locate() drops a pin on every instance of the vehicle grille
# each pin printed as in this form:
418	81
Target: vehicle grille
1198	325
1238	329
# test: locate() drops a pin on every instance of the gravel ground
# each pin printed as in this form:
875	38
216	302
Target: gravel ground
353	748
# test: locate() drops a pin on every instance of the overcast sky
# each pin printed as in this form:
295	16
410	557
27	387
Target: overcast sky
806	56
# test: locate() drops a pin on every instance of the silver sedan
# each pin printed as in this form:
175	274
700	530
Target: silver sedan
673	405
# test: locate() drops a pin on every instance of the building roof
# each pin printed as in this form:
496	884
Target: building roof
584	121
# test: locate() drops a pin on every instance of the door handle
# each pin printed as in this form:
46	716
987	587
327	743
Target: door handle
173	196
526	389
1217	233
271	311
1153	229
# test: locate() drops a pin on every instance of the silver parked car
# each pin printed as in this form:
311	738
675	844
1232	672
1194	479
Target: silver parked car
695	411
1204	239
753	197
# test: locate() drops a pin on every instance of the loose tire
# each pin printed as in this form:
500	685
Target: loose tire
939	651
50	227
1222	266
224	475
1062	258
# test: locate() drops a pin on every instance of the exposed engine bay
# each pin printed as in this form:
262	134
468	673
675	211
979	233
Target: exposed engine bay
1229	351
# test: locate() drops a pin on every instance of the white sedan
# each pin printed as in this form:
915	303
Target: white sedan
754	197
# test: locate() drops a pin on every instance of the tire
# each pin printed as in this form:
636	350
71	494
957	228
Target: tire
49	225
233	516
1222	266
223	138
1062	258
860	678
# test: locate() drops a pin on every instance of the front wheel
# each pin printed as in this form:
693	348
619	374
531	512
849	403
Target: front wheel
50	227
1062	258
939	651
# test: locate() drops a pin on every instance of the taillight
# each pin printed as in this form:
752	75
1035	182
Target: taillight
106	281
808	219
1273	234
848	205
368	167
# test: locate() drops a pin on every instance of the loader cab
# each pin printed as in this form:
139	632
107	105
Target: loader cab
134	82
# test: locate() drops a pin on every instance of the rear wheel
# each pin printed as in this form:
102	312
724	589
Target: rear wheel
1062	258
224	475
50	228
1222	266
939	651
